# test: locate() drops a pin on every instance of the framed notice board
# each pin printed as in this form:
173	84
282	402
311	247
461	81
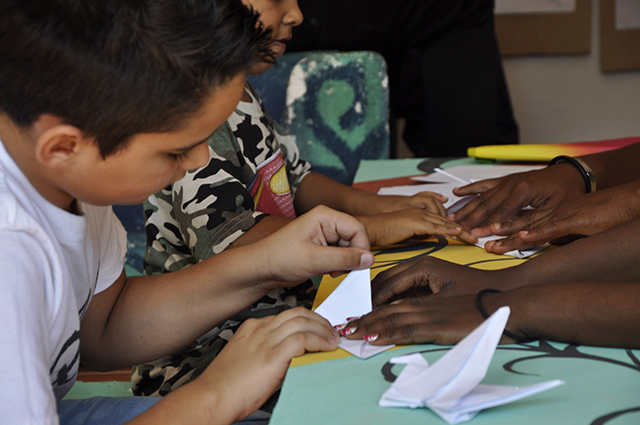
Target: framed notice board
620	35
551	27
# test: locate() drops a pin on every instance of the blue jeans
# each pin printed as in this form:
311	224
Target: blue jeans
118	410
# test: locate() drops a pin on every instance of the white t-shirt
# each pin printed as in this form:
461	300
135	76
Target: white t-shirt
51	264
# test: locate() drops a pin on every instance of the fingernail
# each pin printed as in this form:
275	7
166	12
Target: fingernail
497	225
340	327
351	319
366	259
524	232
348	331
371	338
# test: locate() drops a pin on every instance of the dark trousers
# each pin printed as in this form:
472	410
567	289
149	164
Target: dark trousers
445	70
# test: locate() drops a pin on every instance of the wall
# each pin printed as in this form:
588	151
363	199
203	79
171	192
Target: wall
560	99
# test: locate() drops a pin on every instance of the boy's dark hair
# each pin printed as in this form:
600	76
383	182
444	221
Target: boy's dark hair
115	68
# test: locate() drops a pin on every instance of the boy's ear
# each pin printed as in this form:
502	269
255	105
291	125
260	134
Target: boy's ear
60	145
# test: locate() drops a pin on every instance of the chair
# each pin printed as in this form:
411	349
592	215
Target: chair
336	104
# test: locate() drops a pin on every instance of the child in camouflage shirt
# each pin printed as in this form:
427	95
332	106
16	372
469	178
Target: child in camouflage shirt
255	183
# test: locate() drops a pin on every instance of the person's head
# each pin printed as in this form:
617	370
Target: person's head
280	16
113	70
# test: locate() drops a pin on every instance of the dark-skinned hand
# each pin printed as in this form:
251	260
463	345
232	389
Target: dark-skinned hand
499	200
579	216
421	320
430	275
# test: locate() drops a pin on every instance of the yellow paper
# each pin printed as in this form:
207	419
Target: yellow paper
443	248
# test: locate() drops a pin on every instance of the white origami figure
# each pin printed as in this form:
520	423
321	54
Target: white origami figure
450	387
352	298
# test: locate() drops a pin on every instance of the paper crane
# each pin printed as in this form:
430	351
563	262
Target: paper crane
451	387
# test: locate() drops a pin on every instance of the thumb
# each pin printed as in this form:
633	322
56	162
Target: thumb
336	260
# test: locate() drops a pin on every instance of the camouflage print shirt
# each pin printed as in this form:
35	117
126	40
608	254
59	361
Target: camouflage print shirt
254	170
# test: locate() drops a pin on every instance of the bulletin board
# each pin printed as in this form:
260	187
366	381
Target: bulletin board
619	43
545	33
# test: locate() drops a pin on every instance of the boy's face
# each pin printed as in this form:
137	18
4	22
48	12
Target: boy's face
152	161
281	16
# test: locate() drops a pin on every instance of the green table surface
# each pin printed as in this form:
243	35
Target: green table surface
602	384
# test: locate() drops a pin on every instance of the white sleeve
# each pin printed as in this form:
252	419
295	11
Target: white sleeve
112	240
26	394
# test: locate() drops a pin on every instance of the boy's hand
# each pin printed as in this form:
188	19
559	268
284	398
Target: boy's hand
255	361
318	242
387	229
429	201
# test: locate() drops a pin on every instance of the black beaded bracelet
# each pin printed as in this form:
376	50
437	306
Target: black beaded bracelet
486	315
587	173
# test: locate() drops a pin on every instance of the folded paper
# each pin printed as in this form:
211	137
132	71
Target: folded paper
451	387
352	298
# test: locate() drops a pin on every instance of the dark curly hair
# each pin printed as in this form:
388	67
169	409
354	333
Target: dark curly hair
115	68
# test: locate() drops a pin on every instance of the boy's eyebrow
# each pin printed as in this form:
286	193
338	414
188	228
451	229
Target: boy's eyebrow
188	148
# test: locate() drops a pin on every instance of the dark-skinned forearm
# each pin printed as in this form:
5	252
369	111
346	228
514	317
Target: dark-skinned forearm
602	314
609	256
615	167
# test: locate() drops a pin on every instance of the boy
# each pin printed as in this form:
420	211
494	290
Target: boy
255	183
78	134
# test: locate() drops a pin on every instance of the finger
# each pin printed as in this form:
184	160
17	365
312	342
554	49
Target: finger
393	325
435	206
474	212
301	323
336	228
388	286
476	187
390	272
523	222
493	208
296	344
297	312
331	259
465	236
546	232
510	243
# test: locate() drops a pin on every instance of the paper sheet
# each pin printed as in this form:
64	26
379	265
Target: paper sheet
451	387
508	7
352	298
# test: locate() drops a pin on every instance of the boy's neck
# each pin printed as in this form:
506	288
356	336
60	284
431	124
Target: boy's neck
245	96
20	144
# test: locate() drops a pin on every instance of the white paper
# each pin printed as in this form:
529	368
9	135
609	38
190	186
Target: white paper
361	348
627	14
451	386
534	6
352	298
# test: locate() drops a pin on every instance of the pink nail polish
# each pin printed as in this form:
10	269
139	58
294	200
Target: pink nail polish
348	331
371	338
351	319
340	327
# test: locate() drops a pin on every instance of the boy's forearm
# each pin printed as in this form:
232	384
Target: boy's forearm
265	227
193	404
602	314
153	316
316	189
